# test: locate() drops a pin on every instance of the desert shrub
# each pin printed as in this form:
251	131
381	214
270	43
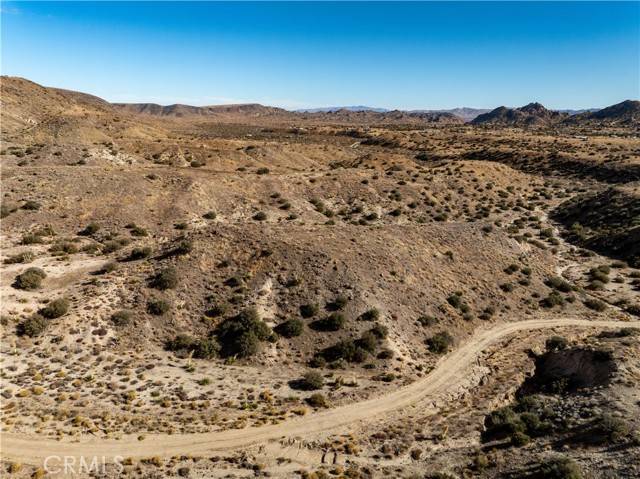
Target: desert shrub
317	361
260	216
368	341
553	299
121	318
440	342
560	468
372	314
31	205
556	343
333	322
262	170
216	310
6	210
426	320
210	215
23	257
519	439
158	307
385	354
501	423
140	253
339	302
308	310
611	429
63	247
595	304
32	326
136	230
380	331
114	245
108	267
290	328
241	335
31	238
90	229
55	309
206	348
344	349
311	381
454	300
317	400
30	279
559	284
512	268
183	247
165	279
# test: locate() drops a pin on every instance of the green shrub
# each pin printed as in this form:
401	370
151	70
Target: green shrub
595	304
559	284
165	279
560	468
138	231
121	318
23	257
338	303
30	279
31	205
317	400
55	309
206	348
368	341
33	326
553	299
90	229
311	381
556	343
63	247
372	314
140	253
519	439
241	335
440	342
333	322
308	310
216	310
290	328
158	307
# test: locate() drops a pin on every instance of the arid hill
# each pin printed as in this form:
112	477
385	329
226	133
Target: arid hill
169	271
533	114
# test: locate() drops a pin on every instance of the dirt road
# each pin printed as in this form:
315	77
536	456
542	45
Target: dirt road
450	373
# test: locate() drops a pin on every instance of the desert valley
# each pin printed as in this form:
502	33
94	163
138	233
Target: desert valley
247	291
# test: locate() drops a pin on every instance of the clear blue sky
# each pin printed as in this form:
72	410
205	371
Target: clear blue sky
394	55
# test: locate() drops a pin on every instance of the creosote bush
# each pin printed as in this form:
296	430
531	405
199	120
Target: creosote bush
309	310
33	326
290	328
440	342
158	307
30	279
241	335
333	322
55	309
121	318
165	279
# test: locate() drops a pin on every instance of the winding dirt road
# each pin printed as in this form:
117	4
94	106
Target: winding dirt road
451	372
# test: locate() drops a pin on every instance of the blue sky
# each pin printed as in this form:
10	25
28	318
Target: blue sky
393	55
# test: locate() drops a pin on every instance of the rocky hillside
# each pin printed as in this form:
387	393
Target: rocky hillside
533	114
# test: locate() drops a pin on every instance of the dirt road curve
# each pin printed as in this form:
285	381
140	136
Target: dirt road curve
450	372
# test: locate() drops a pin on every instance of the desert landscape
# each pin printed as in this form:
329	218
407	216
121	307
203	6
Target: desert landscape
247	291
